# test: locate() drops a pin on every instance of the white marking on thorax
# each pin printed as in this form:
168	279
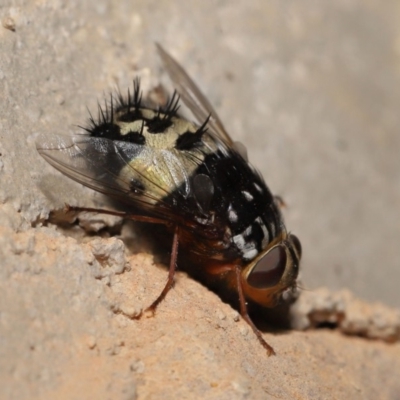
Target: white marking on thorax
260	222
247	195
258	187
248	230
249	255
232	214
247	248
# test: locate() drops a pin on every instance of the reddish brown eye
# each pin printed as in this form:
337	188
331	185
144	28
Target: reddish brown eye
269	269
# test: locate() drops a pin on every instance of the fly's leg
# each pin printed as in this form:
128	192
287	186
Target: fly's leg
171	275
245	315
220	269
142	218
122	214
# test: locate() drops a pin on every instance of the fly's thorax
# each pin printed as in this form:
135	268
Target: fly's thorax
164	161
164	136
273	271
253	217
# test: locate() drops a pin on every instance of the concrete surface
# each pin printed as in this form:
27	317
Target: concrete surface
313	90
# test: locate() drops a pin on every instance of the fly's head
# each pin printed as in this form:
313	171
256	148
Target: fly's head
276	268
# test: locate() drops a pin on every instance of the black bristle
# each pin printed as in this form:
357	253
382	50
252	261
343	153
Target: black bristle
160	122
111	107
135	137
203	128
172	106
104	126
132	100
132	104
190	140
137	93
128	109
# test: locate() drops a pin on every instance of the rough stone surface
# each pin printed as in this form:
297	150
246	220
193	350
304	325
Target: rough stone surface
352	316
313	90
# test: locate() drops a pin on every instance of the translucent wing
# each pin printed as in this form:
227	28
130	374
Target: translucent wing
130	172
193	97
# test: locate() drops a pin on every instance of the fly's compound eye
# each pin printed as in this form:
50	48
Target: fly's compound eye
296	244
269	269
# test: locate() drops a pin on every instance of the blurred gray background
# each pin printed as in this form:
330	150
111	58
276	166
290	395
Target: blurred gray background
312	88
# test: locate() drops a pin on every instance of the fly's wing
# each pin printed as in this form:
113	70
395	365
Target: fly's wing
155	181
193	97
